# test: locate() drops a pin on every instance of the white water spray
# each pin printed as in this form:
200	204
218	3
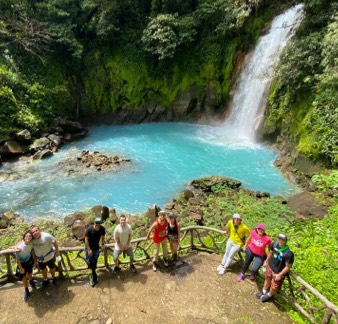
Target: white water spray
249	102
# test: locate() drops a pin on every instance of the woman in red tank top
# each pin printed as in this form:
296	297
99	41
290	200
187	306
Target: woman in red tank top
159	228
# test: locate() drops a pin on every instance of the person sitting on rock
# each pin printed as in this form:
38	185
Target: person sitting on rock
122	237
159	227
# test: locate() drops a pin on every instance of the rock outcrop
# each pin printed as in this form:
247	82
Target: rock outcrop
64	131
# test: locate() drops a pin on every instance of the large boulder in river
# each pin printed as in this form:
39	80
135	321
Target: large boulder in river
72	129
24	136
41	144
42	154
55	139
12	148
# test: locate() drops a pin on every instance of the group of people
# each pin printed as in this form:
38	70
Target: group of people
165	228
41	249
275	257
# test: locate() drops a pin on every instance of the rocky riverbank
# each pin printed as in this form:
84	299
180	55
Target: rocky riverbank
208	201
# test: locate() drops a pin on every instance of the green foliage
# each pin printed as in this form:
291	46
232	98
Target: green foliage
326	181
160	38
315	246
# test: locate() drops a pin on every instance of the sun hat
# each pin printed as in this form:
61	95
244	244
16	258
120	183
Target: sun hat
282	237
236	216
98	220
171	214
261	226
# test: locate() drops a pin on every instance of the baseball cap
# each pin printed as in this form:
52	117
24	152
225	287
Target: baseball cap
98	220
261	226
171	214
282	237
236	216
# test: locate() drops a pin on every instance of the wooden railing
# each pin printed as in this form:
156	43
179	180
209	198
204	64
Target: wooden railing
306	299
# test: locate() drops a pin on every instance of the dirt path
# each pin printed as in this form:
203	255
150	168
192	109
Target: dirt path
192	292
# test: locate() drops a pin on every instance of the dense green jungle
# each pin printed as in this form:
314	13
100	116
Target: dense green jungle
89	59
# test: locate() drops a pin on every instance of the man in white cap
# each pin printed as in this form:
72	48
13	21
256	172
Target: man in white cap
237	232
278	263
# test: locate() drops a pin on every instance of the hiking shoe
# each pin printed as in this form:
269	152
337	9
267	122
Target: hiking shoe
45	283
26	295
222	271
34	283
259	295
265	298
240	277
165	262
154	267
132	268
252	276
220	267
54	281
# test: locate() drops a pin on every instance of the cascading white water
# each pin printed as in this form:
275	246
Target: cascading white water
250	98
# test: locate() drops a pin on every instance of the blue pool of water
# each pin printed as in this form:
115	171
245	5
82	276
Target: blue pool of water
164	158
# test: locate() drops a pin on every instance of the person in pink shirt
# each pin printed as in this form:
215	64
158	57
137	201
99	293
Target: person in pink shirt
255	250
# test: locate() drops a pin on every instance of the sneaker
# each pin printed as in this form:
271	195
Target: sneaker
165	262
252	276
116	269
34	283
132	268
265	298
91	280
154	267
26	295
45	283
260	294
222	271
54	281
220	267
240	277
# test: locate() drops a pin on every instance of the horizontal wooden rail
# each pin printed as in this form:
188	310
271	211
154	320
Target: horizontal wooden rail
295	289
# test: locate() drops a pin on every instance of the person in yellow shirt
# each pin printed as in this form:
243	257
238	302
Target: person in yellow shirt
237	233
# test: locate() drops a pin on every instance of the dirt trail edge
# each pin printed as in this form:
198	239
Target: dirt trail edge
189	292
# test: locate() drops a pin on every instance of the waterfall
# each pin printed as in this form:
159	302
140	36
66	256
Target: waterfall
249	102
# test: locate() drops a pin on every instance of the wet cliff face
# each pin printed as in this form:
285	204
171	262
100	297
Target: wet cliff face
189	106
117	90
